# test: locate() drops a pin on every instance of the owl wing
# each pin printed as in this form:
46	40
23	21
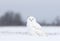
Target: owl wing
36	26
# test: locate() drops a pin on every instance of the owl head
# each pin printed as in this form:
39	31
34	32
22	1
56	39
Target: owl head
31	19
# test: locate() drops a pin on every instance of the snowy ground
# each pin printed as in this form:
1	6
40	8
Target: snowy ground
20	34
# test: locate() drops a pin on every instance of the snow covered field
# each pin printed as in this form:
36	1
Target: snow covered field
17	33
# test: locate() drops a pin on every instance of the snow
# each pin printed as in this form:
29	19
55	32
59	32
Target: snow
17	33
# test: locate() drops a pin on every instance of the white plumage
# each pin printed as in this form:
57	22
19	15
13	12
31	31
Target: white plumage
33	27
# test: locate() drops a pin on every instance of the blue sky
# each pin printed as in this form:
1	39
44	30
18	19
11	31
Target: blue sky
41	9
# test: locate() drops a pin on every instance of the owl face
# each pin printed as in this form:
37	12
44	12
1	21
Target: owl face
31	19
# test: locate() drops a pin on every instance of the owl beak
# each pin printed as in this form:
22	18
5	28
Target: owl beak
31	20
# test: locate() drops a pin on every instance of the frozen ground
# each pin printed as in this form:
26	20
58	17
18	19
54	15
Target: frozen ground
20	34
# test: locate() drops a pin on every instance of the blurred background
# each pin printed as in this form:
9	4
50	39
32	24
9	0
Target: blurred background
15	12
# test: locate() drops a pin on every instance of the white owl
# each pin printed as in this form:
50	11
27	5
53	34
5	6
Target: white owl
33	27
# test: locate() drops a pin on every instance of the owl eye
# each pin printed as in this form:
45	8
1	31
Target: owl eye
29	19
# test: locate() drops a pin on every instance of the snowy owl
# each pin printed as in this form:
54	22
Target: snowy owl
34	27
